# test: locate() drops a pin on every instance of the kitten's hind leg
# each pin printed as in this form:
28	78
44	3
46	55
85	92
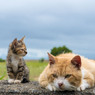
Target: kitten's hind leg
25	80
26	75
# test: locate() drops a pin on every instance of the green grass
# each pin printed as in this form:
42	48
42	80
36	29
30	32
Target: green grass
35	68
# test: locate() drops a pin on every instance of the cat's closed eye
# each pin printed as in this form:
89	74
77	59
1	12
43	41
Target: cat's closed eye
68	75
54	75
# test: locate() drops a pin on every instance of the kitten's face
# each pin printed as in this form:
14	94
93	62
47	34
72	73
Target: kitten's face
65	74
18	47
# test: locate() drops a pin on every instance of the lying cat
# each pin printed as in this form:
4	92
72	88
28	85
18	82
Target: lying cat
68	72
16	67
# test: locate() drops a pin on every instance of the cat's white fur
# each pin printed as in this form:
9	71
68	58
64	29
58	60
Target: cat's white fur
17	81
67	86
54	86
51	87
15	61
11	81
84	71
84	84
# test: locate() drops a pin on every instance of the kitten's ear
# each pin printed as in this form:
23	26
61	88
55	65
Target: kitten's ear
51	59
14	43
22	39
76	61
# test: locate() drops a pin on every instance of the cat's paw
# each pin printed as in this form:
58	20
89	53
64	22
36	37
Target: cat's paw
17	81
51	87
11	81
82	87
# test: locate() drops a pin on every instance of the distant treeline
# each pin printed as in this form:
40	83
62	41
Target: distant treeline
58	50
2	60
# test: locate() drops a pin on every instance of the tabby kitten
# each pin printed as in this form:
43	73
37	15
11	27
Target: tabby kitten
16	67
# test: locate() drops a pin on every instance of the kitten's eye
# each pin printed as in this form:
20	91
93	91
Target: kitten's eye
67	76
54	75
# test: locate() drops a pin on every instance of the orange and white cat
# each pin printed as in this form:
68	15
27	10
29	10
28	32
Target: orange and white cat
68	72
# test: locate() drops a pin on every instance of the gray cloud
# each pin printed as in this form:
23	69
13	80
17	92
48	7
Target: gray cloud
49	23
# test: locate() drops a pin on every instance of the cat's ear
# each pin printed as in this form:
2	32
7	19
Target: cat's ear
76	61
14	43
51	59
22	39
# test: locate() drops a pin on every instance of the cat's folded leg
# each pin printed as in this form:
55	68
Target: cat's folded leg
87	82
84	85
51	87
45	84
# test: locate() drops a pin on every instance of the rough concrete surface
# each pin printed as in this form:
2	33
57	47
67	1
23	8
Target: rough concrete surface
33	88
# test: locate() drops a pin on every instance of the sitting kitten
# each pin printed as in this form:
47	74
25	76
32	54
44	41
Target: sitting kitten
16	67
68	72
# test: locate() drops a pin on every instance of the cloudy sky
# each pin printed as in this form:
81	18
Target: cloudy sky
48	23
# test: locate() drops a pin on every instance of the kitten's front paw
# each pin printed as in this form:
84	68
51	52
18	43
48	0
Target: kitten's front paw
51	87
17	81
11	81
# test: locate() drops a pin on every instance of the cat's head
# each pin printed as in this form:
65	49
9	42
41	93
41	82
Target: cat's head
18	47
65	73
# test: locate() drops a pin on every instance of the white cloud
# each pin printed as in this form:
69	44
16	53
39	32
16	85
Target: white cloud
36	53
48	23
32	53
3	52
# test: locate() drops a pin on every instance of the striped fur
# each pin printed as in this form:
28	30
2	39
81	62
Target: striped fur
16	68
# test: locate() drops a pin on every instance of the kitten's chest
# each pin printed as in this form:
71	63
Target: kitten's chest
15	63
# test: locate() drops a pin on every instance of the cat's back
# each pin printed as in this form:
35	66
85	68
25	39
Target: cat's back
67	55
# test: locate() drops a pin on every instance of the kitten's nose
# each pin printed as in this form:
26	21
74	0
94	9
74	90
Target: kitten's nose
60	84
26	52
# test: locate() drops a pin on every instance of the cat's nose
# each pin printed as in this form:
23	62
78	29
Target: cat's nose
60	84
26	52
